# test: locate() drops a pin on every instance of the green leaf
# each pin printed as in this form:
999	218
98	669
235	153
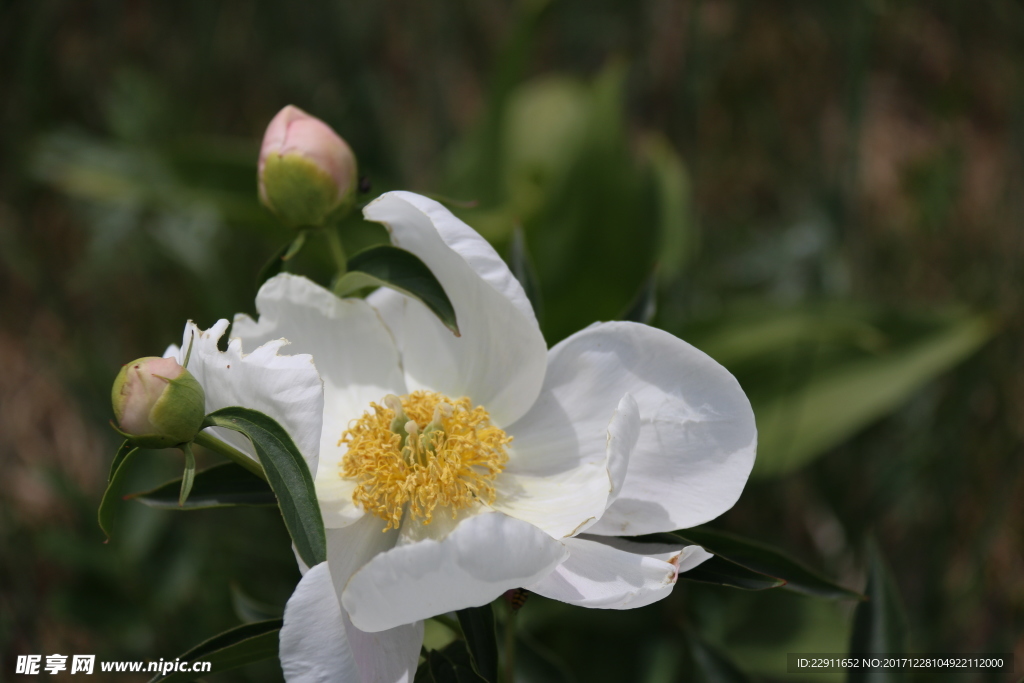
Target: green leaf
450	665
720	571
644	305
122	453
710	665
229	650
522	267
219	486
188	477
280	258
834	405
402	271
105	514
287	474
879	625
537	664
481	639
767	560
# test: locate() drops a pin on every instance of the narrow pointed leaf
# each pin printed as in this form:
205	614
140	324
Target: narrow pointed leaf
879	625
122	453
219	486
453	664
105	513
522	267
766	560
229	650
287	474
720	571
481	639
402	271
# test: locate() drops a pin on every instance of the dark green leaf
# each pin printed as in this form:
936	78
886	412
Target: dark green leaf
453	664
644	304
121	454
402	271
110	497
766	560
287	474
537	664
725	573
522	267
231	649
710	665
481	639
218	486
277	262
879	626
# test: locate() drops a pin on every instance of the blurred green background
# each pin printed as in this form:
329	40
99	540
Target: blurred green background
832	193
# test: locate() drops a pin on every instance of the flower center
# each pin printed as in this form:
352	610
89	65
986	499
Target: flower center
421	452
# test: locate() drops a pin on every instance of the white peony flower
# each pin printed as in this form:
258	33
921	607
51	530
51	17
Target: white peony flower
452	469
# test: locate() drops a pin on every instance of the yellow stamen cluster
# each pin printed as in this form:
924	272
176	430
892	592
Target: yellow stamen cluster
422	452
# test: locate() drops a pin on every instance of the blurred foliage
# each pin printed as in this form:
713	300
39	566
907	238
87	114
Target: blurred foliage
830	191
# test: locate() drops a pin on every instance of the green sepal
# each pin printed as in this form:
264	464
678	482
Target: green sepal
189	475
277	262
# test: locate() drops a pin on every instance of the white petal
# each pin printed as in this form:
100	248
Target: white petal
611	574
552	483
354	354
697	436
499	360
319	644
287	388
623	435
386	656
481	559
314	647
350	548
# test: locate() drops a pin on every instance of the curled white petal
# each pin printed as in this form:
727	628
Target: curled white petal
697	435
608	573
354	354
499	359
482	558
284	387
553	483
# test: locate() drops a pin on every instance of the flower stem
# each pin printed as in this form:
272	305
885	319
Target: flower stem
510	647
337	251
231	453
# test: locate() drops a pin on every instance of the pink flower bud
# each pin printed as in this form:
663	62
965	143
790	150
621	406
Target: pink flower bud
157	402
306	171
